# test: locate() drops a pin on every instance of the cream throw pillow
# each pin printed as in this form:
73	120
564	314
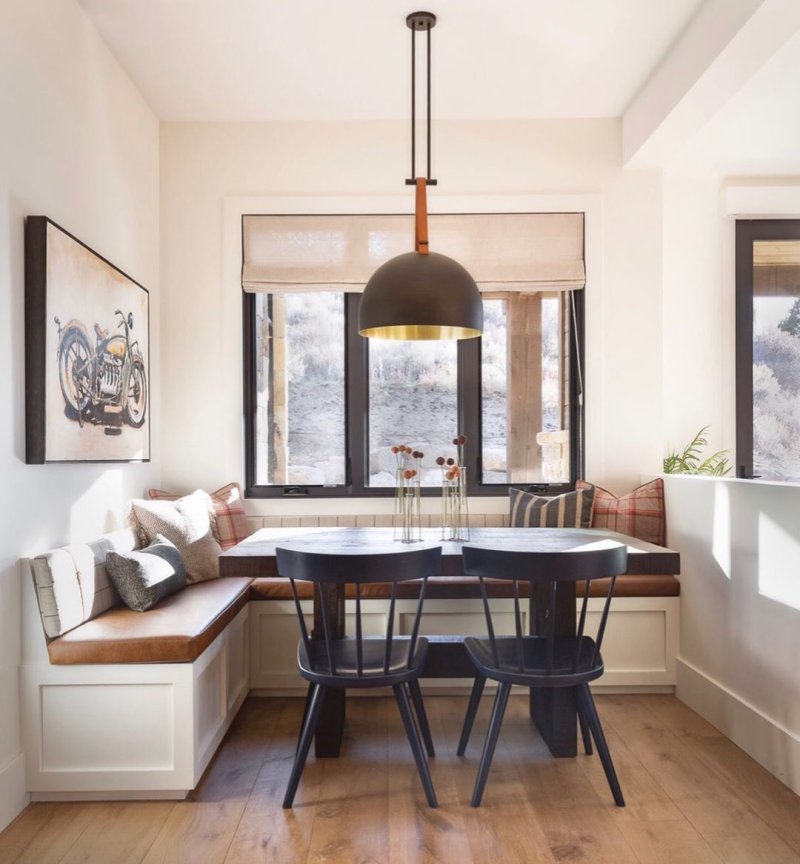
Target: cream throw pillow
186	524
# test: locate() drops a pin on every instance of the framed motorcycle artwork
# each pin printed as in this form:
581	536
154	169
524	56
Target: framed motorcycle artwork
87	350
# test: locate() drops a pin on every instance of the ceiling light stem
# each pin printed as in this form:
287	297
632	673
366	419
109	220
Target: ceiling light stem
421	220
413	105
420	21
428	175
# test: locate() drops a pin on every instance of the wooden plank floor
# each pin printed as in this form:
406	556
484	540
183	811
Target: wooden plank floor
693	798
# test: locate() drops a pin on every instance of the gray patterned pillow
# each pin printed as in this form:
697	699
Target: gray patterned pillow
186	523
143	578
571	510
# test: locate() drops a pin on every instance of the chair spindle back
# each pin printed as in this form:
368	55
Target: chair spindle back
545	573
357	569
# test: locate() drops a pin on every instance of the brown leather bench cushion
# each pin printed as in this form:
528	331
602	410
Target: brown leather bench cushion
450	587
177	630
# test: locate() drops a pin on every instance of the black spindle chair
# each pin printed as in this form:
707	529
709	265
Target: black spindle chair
359	661
547	659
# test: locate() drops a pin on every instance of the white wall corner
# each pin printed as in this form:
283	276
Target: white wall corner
14	797
724	45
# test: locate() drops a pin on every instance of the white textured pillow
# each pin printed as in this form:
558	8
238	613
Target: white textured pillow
187	525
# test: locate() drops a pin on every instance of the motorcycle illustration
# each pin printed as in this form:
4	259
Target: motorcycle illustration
105	382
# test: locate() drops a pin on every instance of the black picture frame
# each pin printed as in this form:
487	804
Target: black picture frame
87	353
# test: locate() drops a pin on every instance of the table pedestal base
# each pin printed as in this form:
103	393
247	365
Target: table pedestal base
554	712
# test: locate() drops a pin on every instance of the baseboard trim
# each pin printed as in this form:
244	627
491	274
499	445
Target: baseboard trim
138	795
764	739
13	797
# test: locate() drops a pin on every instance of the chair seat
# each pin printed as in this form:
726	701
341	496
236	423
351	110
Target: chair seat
531	669
317	668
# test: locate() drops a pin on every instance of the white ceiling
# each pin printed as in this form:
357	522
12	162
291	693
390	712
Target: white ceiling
758	130
253	60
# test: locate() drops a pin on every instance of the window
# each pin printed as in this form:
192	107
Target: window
299	360
324	406
768	349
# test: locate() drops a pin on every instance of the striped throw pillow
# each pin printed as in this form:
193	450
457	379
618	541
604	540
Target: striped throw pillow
570	510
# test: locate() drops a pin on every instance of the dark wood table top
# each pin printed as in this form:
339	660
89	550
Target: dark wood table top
255	556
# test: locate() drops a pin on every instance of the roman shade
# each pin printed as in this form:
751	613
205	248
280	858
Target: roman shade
502	251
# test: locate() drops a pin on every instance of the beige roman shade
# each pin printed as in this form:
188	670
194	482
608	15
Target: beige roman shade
502	251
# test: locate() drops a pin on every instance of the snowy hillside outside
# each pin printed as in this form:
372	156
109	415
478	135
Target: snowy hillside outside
776	387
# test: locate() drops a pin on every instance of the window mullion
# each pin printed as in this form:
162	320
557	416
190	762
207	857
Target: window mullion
576	387
744	348
356	397
249	396
469	409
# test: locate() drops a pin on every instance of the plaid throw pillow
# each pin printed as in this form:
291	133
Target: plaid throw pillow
638	514
571	510
228	519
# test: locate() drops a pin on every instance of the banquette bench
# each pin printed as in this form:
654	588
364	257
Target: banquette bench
124	703
118	703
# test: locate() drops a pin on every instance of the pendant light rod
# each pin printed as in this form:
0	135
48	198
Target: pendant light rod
420	21
428	66
411	179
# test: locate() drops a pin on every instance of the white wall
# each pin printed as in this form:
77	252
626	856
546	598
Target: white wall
203	164
739	539
740	612
698	312
78	144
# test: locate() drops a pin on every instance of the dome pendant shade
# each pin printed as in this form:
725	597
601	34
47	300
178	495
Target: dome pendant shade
415	296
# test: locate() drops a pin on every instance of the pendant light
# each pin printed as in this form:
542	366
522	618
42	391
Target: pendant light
421	294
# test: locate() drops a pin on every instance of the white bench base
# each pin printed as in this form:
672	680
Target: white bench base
639	649
144	730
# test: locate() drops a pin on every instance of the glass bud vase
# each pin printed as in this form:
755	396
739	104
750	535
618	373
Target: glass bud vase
407	509
455	509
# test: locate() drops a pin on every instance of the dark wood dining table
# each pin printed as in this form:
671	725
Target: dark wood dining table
553	711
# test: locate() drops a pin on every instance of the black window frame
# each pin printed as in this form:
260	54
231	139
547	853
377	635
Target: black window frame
748	232
357	417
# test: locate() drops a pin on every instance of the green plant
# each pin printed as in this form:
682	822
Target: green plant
688	460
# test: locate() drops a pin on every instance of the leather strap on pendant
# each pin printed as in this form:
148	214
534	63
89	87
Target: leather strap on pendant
421	222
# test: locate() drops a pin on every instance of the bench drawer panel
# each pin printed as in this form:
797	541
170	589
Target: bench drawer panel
107	727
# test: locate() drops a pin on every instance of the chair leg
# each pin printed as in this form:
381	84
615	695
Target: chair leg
585	696
422	717
472	710
310	724
493	733
309	694
585	731
404	705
